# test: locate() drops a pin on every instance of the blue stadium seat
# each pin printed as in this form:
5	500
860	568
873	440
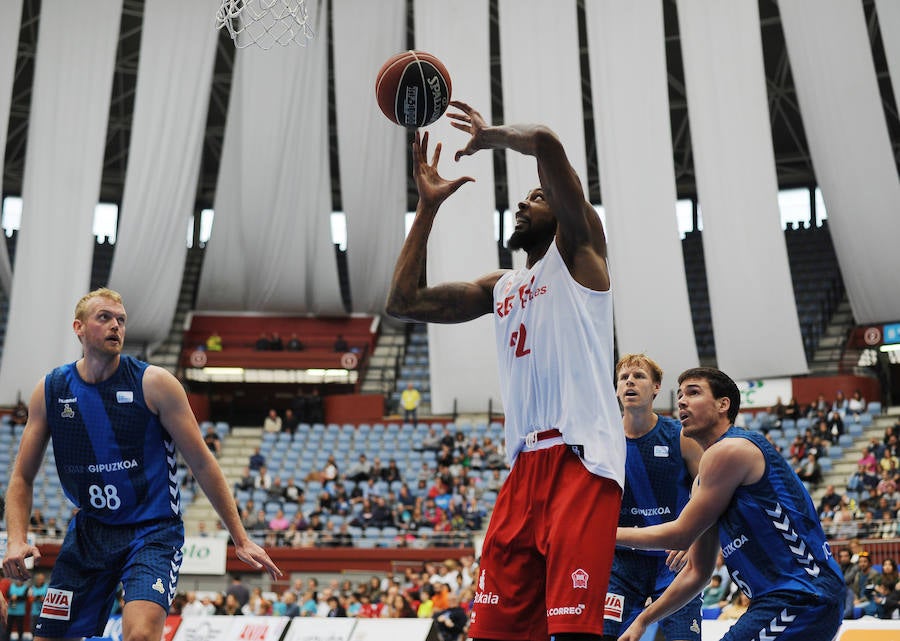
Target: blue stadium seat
874	408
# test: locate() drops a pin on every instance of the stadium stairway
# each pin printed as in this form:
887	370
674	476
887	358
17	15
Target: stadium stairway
826	360
384	363
233	458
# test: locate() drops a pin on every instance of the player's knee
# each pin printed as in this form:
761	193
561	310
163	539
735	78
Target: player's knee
138	634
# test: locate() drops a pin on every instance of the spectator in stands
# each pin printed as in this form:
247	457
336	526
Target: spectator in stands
391	473
714	593
867	527
257	460
377	469
857	404
275	342
291	609
290	422
272	422
275	492
410	399
889	572
20	413
314	407
451	621
263	479
850	570
294	344
868	458
212	440
830	500
292	493
798	447
778	411
888	462
262	343
340	344
840	403
214	342
887	599
863	587
735	608
429	442
810	471
245	482
361	470
335	608
835	422
238	590
792	410
38	524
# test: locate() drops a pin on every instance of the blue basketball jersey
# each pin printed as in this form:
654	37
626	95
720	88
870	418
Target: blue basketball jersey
115	460
657	483
771	536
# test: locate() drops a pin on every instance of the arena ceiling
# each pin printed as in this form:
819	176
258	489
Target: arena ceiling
794	167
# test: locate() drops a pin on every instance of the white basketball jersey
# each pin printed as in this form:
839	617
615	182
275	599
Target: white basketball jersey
555	354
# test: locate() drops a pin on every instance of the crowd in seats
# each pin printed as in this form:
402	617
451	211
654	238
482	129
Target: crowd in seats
872	590
379	485
442	591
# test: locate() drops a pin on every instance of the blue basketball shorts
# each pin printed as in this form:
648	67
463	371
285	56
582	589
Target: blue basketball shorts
784	616
636	578
94	559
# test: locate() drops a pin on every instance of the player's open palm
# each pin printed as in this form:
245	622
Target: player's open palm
433	189
472	122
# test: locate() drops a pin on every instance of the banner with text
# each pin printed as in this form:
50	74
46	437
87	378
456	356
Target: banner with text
764	392
203	555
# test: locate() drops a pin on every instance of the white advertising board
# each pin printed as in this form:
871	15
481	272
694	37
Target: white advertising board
204	555
313	629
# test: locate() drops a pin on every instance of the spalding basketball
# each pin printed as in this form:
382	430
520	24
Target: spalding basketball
413	89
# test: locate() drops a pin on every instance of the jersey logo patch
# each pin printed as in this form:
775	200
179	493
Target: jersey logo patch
613	607
57	604
580	579
124	396
661	451
158	586
67	411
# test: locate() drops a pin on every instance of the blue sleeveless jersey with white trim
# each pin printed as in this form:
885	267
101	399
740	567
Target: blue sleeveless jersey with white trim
657	484
115	460
771	536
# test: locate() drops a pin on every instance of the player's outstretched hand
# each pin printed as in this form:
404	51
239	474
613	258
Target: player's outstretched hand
257	558
472	123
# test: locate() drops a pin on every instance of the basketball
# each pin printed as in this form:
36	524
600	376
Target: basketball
413	89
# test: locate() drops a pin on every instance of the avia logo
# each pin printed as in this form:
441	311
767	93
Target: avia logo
613	607
57	604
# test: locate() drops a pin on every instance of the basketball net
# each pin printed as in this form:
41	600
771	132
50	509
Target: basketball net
265	23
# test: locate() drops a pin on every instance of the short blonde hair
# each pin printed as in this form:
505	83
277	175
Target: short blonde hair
643	361
102	292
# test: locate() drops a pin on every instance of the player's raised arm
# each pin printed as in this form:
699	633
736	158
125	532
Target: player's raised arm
580	236
410	297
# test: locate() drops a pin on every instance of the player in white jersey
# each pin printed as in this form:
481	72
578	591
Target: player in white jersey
549	546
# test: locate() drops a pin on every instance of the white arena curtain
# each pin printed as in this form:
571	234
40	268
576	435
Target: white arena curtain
373	188
834	74
271	248
634	146
541	84
463	358
73	73
889	21
10	16
171	100
754	314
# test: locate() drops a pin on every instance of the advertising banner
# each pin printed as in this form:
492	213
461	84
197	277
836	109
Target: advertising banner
312	629
204	555
764	392
391	629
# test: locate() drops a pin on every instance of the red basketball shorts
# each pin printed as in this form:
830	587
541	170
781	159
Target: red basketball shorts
548	550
